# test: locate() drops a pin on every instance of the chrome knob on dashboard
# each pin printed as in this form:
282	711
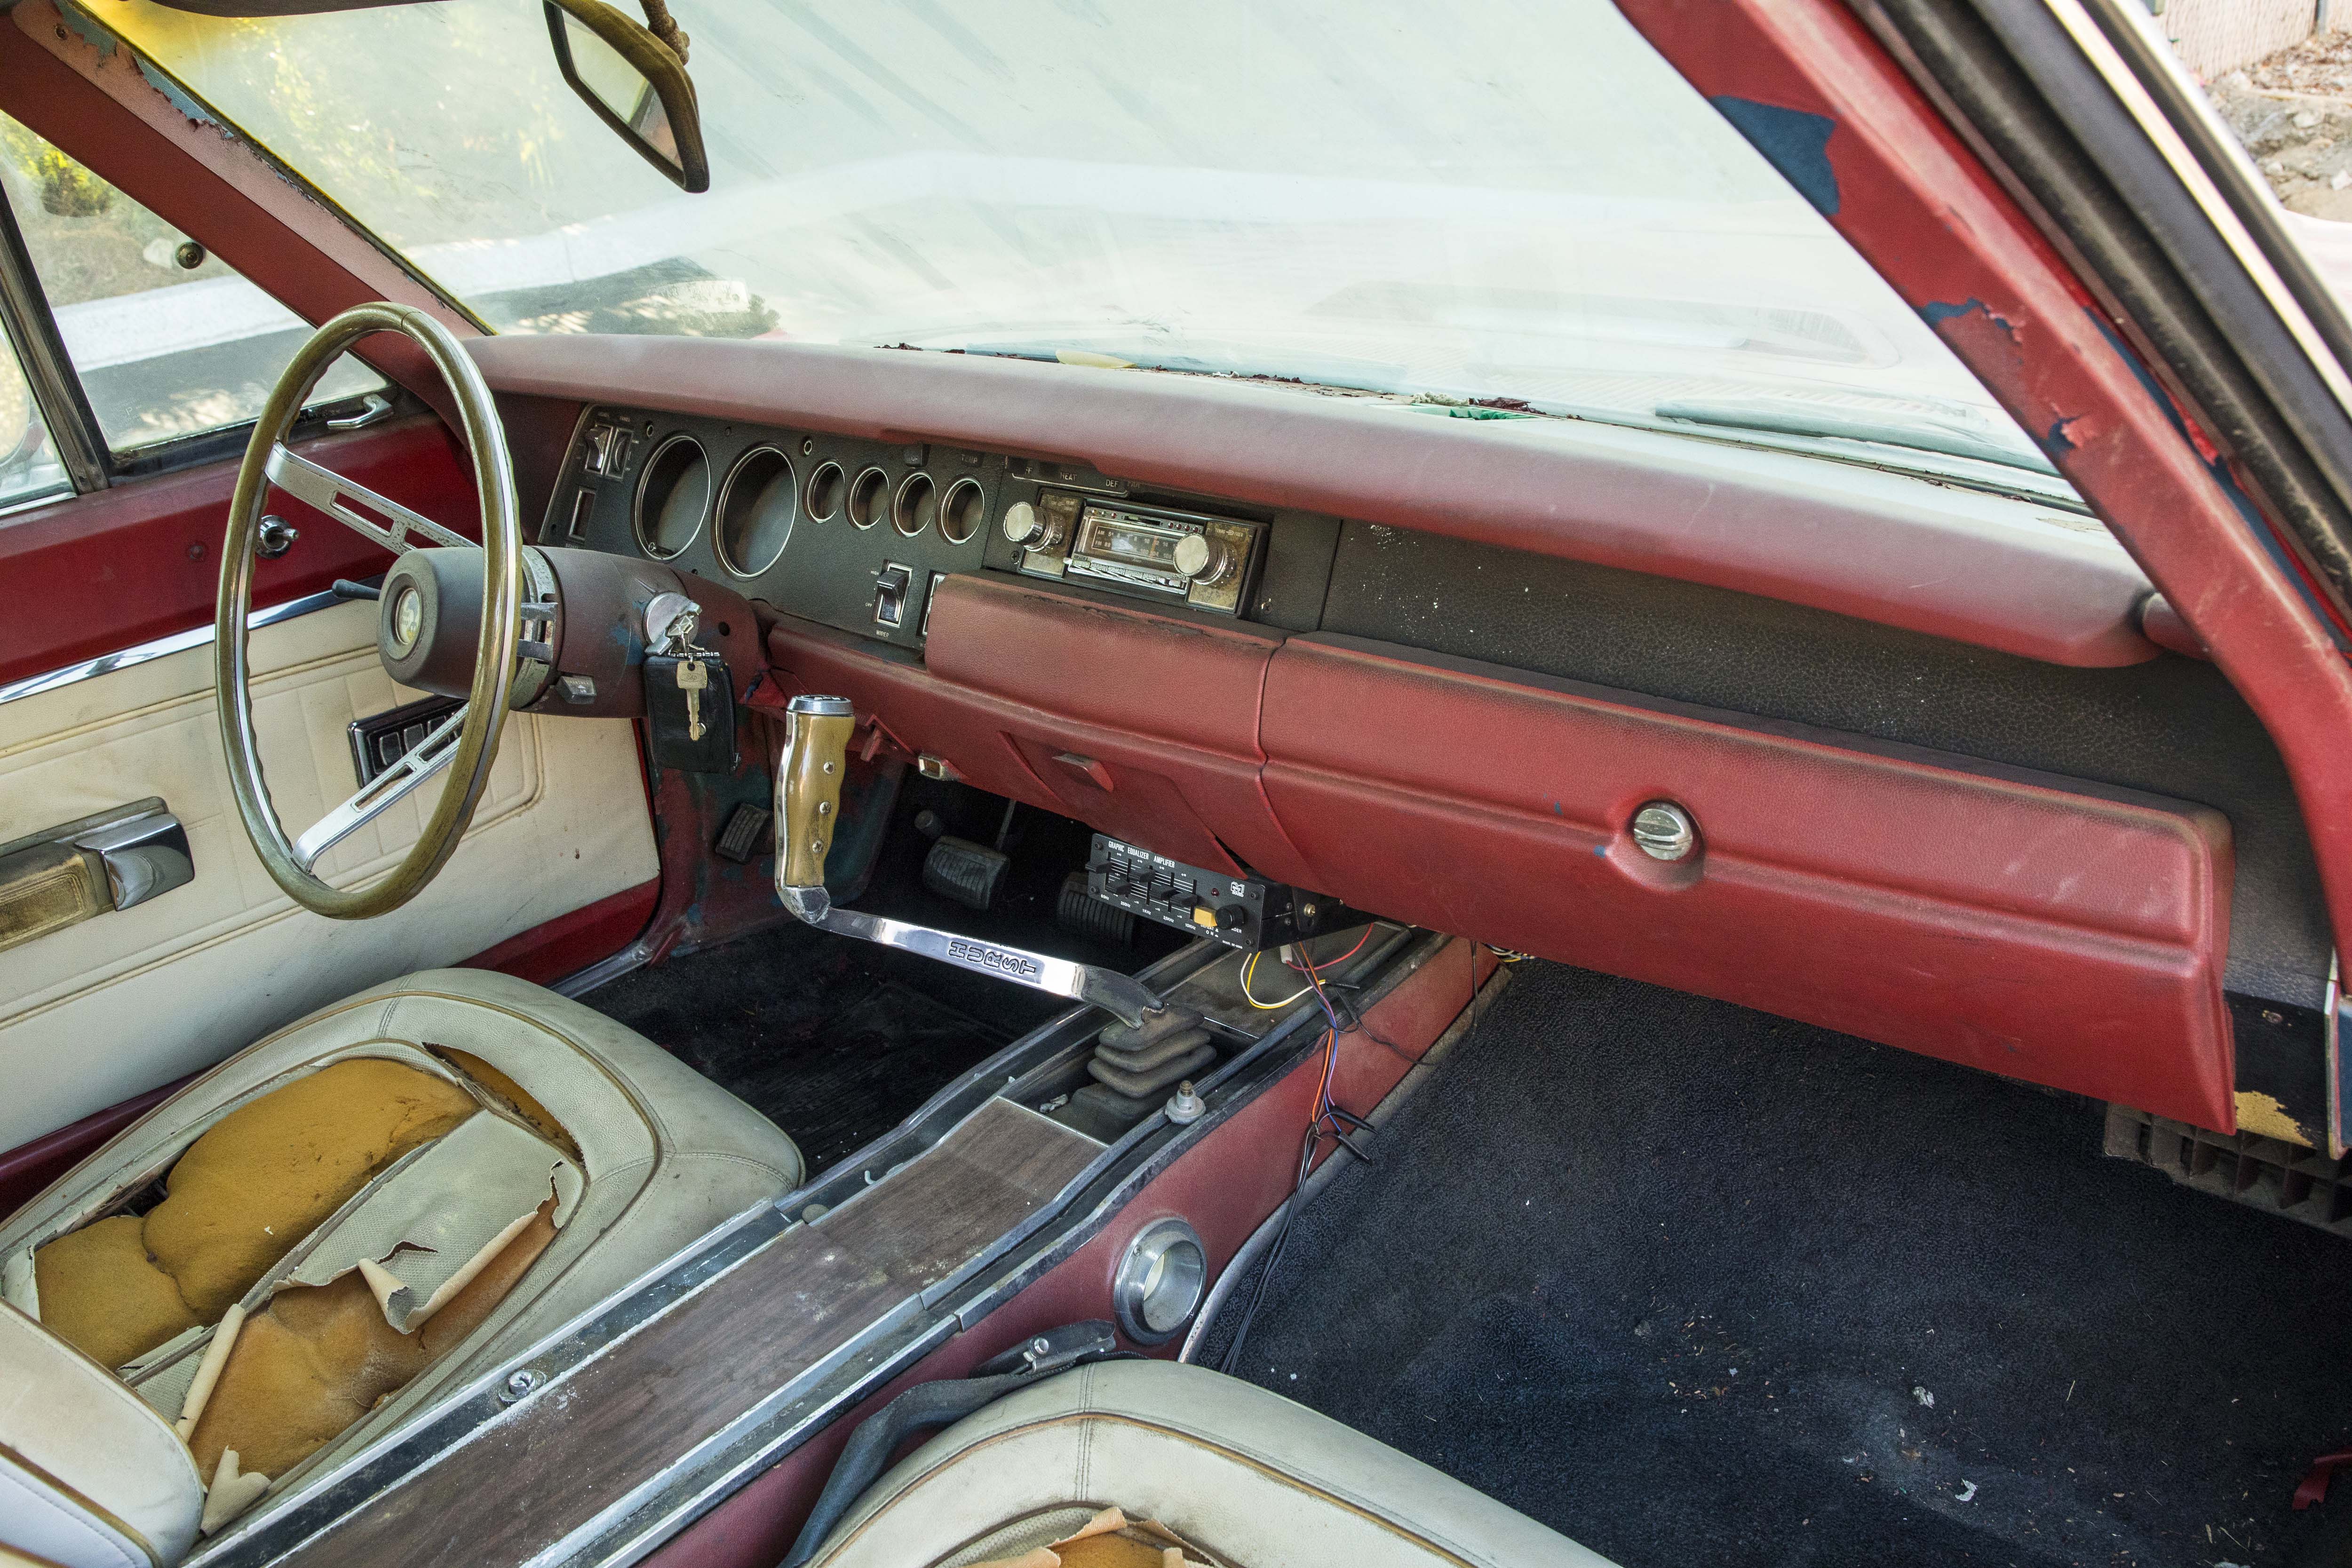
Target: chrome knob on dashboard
1044	526
1021	525
1203	559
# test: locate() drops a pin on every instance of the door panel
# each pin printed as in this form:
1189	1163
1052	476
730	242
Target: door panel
122	1003
89	575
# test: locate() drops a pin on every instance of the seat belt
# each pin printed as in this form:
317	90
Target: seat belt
941	1404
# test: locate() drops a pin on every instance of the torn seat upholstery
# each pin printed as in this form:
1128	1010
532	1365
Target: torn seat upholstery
294	1255
1205	1466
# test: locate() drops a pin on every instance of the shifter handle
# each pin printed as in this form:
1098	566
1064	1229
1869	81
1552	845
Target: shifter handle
808	786
808	804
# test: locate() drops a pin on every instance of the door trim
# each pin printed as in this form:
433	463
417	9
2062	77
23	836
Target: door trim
159	648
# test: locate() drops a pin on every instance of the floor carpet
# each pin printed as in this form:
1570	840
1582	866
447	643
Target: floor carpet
1694	1285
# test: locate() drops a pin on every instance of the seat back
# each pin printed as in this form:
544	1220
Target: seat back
90	1475
1223	1466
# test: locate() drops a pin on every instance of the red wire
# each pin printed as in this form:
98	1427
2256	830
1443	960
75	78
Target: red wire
1328	962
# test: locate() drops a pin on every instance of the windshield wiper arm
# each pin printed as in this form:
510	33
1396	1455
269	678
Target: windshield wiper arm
1779	419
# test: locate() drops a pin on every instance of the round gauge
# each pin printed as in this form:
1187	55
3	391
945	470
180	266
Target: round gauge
869	496
672	498
918	503
824	491
756	507
963	511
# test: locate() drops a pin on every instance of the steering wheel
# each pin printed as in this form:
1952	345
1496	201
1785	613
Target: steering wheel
466	744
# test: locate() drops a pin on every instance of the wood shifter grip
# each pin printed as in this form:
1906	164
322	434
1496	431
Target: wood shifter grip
808	785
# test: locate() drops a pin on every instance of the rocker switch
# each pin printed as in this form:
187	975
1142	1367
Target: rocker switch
891	590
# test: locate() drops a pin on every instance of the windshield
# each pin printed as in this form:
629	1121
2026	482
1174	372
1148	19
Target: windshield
1513	203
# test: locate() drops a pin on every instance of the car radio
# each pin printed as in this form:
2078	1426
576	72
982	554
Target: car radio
1204	562
1245	912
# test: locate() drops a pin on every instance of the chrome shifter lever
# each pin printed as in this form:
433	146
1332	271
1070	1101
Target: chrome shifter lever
808	804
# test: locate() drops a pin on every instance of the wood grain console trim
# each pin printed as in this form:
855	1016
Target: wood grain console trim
618	1420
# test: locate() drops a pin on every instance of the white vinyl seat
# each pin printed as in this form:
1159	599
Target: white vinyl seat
55	1469
1241	1475
629	1155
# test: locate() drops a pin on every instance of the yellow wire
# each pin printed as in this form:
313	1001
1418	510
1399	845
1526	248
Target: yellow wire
1249	967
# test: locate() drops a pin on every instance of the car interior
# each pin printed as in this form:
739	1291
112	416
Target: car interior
741	823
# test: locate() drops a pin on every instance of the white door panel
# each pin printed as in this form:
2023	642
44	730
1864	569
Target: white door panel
115	1006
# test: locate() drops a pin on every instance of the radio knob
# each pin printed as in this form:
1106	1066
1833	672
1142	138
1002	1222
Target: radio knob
1024	524
1203	559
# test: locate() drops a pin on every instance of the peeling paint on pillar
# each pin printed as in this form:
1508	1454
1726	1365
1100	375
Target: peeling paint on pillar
2289	564
1989	344
95	34
1935	312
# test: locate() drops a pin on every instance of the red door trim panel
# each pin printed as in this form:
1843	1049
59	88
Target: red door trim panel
2023	925
96	573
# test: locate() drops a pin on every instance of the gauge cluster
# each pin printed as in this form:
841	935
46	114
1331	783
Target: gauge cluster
850	533
858	533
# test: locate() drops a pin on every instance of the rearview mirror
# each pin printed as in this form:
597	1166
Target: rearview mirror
633	83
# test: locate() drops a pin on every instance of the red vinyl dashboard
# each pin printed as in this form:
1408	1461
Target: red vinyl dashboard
1901	728
2024	924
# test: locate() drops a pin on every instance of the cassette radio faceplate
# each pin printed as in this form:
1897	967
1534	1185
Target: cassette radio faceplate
1189	557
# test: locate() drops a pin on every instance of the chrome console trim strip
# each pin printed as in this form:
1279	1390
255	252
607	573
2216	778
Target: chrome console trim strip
141	653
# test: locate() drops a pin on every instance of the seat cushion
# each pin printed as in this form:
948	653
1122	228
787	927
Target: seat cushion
256	1183
646	1158
1243	1475
318	1357
90	1476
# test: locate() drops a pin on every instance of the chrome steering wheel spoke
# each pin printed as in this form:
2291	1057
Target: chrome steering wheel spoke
333	494
374	798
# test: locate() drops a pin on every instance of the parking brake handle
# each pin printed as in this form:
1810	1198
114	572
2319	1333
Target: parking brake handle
808	806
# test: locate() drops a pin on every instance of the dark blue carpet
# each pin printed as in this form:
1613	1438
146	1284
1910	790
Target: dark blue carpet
1680	1280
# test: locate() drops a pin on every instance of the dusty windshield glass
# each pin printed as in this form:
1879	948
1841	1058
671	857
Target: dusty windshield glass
1517	203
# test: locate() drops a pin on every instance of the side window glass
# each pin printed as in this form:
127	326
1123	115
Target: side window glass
30	468
169	342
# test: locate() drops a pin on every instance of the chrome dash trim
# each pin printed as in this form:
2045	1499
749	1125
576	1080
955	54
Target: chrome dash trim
160	648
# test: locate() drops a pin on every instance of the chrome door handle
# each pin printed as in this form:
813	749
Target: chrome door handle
373	408
91	866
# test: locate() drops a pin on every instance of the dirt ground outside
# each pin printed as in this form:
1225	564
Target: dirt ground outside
2292	111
